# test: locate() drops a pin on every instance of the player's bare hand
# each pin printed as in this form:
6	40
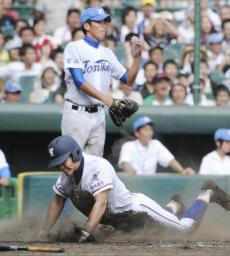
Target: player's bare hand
189	171
136	46
86	237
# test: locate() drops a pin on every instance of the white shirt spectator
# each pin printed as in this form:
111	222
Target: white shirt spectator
62	35
17	69
145	159
213	164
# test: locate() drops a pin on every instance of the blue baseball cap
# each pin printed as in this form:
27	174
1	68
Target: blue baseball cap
215	38
94	14
222	134
140	122
12	87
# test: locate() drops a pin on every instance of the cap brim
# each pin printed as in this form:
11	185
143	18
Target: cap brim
101	17
58	160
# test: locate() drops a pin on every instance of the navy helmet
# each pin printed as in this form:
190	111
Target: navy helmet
61	147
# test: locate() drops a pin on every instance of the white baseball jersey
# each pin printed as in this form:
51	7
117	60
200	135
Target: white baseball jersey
213	164
145	159
98	176
99	65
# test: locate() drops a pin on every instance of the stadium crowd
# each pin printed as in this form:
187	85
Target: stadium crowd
32	44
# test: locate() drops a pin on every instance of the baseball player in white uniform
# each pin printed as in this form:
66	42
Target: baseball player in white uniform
217	162
97	176
89	68
142	155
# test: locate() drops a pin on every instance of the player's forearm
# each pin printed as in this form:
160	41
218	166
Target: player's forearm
127	168
93	92
54	211
176	166
133	71
95	216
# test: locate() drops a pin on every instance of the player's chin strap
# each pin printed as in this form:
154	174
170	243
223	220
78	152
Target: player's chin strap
79	172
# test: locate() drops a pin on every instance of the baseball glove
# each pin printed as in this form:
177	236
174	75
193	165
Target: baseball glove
121	110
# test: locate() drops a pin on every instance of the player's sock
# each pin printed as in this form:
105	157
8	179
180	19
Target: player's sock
196	211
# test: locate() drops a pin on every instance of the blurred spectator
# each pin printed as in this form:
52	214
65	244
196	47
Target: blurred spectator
63	34
93	3
217	162
224	12
27	35
4	170
111	31
213	16
111	43
55	12
145	14
204	101
171	69
178	94
183	78
226	33
7	23
186	28
149	70
2	89
142	155
222	95
12	92
160	32
156	55
77	34
207	28
43	43
215	52
25	67
129	22
4	55
8	10
126	91
44	91
16	40
13	53
162	86
187	58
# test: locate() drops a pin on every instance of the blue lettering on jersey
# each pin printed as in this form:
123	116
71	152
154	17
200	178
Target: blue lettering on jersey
98	66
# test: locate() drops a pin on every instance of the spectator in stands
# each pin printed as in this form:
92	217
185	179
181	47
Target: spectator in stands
110	43
13	51
4	170
224	12
129	22
145	15
44	91
171	69
77	34
93	3
183	78
217	162
2	89
156	55
142	155
216	58
12	92
55	12
4	55
150	70
162	86
126	91
27	35
207	28
204	101
222	95
25	67
111	31
7	23
160	32
62	35
8	10
226	33
178	94
43	43
16	40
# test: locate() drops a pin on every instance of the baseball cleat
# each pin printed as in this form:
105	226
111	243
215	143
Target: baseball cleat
219	196
177	198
